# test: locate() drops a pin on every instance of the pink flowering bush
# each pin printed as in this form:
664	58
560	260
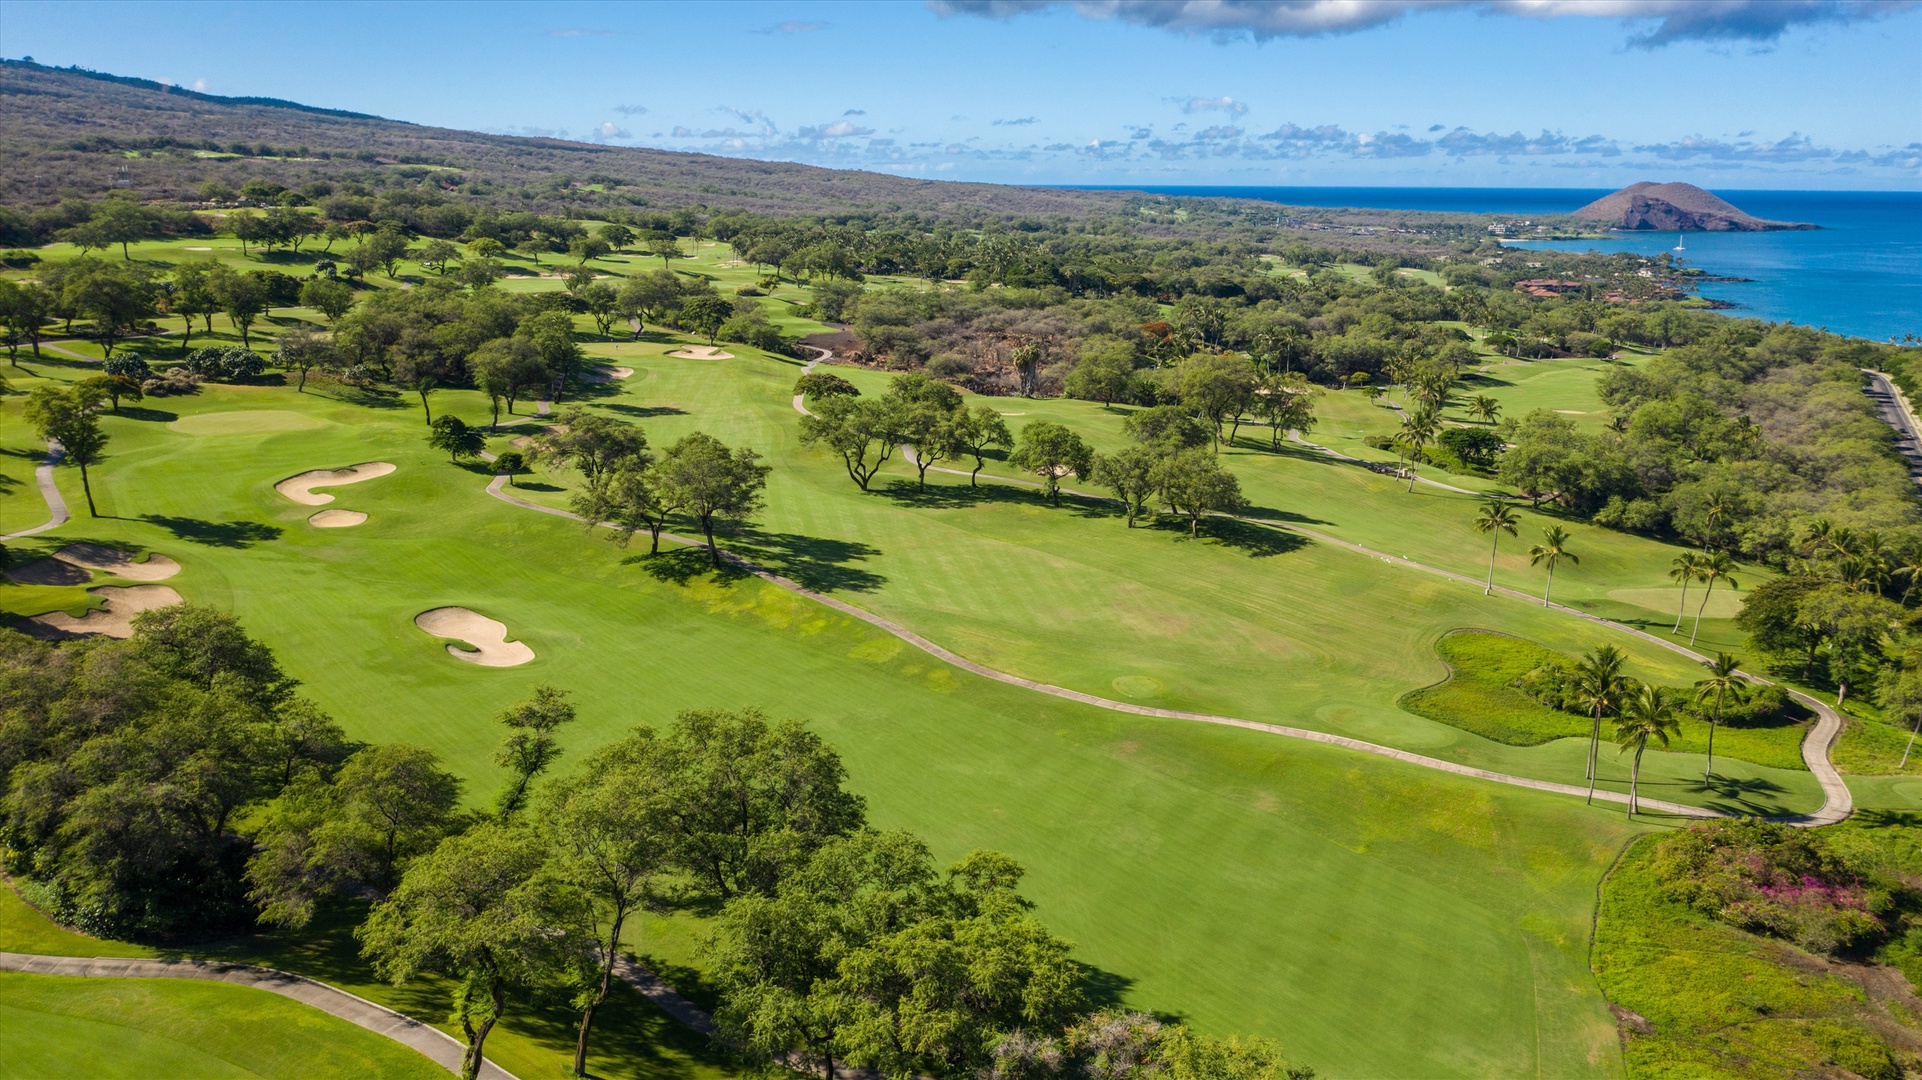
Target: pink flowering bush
1776	880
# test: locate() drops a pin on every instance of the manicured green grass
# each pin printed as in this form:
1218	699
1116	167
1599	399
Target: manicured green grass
1480	696
52	1025
1145	838
1719	1002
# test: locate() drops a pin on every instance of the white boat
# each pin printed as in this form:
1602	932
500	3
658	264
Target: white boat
1678	242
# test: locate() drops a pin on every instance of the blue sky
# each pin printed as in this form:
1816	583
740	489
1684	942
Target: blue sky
1552	93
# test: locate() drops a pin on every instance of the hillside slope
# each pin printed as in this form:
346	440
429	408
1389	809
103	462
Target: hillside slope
1675	208
71	132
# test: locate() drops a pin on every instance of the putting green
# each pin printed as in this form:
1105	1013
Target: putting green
1722	604
246	422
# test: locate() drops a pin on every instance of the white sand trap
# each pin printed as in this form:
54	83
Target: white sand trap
702	352
118	563
114	618
337	519
487	636
607	374
301	488
197	249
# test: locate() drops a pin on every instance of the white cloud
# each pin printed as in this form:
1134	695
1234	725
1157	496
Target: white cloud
1223	103
200	86
1660	21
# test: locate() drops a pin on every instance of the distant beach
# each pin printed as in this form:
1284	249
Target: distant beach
1860	273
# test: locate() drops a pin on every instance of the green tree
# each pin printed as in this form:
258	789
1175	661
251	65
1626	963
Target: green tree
301	350
705	314
436	255
1493	519
59	415
530	746
510	463
706	479
1192	482
1052	451
193	297
1418	429
385	247
1724	681
1286	402
1899	692
1598	687
243	297
1104	372
1711	568
606	851
329	297
1552	550
476	911
1218	387
451	433
1130	474
504	368
388	805
1485	408
593	443
551	334
122	221
665	247
864	431
823	384
113	297
1685	569
983	428
930	413
24	309
627	496
1646	714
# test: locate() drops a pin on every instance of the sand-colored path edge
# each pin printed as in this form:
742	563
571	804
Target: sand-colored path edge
487	636
337	519
114	618
701	352
301	488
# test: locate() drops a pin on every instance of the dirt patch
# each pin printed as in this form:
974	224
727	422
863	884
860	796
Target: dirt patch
337	519
118	563
701	352
301	488
487	636
114	618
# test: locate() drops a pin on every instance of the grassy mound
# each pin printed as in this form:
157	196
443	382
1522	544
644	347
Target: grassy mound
1698	998
1479	695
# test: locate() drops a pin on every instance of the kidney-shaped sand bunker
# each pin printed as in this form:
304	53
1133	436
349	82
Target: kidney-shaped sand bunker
487	636
301	488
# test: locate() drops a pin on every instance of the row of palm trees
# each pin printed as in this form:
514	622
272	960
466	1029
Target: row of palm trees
1645	712
1497	517
1708	568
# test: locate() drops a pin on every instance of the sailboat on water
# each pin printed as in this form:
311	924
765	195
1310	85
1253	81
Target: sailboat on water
1678	242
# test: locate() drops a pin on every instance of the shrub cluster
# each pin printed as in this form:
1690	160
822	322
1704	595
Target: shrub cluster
229	363
1777	880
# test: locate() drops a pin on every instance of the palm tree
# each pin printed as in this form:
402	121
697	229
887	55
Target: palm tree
1687	567
1722	680
1417	430
1599	686
1496	517
1907	564
1485	407
1647	714
1712	515
1552	549
1714	568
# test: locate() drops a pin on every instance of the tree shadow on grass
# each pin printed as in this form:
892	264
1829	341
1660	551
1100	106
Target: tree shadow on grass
643	412
941	495
813	562
227	534
1258	541
141	412
680	565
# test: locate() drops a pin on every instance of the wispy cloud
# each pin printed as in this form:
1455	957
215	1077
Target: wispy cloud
855	112
1653	22
793	26
1019	121
630	110
1223	103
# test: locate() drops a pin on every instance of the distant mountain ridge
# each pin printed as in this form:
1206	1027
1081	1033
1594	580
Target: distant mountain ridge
1676	207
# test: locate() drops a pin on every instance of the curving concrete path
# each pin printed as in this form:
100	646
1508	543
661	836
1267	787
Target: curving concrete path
438	1046
50	491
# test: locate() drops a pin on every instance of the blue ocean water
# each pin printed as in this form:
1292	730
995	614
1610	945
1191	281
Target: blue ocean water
1859	274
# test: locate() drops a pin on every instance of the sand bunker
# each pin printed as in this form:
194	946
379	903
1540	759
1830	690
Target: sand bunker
607	374
118	563
337	519
702	352
487	636
114	618
301	488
